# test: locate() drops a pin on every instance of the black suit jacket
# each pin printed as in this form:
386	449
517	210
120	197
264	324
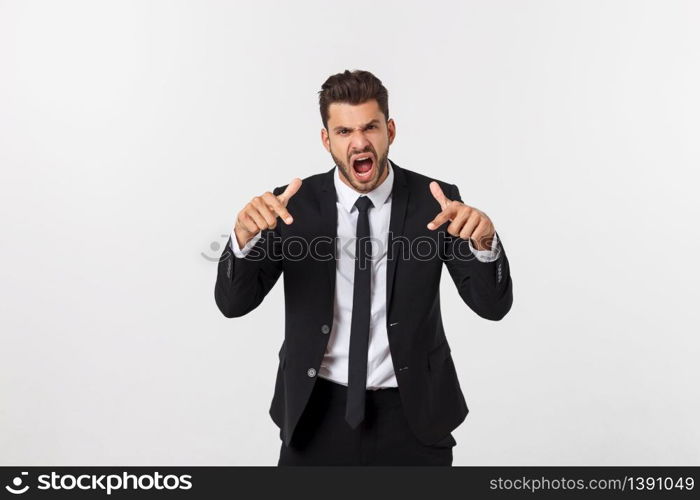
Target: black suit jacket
305	253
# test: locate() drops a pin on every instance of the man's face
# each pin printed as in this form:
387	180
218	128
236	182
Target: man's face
357	131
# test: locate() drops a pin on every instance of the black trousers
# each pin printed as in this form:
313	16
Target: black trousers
323	437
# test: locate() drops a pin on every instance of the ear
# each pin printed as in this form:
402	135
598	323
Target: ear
325	139
391	126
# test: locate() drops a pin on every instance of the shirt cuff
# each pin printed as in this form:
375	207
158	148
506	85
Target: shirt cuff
242	252
487	255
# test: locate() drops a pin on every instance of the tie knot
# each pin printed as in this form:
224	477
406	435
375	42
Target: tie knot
363	203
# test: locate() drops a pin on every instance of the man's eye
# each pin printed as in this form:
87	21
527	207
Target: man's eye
370	126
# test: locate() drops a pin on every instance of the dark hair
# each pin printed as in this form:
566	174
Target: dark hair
353	87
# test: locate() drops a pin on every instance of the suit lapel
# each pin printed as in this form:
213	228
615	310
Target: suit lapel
399	202
329	221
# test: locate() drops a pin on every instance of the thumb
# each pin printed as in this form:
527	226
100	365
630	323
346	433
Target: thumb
438	194
292	188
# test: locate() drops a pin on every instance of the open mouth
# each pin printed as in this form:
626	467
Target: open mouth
363	166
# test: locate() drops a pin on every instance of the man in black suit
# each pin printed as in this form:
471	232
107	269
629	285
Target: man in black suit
365	375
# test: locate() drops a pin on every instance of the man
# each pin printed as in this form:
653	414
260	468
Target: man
365	374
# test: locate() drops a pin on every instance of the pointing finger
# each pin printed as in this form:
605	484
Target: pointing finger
438	194
292	188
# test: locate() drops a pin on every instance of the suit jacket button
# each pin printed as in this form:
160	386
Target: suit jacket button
325	329
311	372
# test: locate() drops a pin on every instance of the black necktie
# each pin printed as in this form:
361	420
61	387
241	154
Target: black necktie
359	329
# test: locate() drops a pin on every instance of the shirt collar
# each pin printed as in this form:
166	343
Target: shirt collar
347	196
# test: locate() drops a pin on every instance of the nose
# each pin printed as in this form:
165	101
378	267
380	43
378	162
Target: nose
359	143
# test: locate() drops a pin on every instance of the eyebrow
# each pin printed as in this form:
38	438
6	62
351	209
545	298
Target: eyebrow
341	127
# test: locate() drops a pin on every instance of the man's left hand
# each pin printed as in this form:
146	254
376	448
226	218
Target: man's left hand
467	222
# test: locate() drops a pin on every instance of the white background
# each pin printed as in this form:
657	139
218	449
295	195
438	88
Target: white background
131	133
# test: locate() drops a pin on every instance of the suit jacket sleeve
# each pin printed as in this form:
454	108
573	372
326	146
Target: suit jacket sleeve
486	287
243	282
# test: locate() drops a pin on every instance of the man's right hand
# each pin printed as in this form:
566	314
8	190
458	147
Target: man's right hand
262	212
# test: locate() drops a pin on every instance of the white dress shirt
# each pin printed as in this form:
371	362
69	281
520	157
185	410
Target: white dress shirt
380	369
